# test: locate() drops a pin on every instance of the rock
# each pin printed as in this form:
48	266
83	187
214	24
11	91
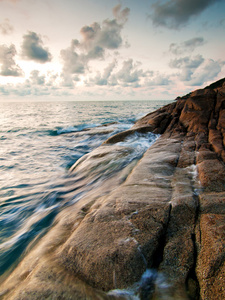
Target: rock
167	213
216	140
131	220
197	110
211	175
211	258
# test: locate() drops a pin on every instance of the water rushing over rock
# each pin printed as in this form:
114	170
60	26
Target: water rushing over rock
153	230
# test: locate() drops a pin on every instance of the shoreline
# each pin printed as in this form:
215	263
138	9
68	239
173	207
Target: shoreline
159	218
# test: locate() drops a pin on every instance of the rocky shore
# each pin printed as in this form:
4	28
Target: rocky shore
168	215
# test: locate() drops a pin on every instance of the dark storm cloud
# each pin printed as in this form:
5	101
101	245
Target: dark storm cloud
6	27
186	46
32	48
7	61
176	13
96	39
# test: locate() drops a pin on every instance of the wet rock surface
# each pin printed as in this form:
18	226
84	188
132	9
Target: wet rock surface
168	214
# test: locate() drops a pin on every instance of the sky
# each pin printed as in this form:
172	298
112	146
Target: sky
109	49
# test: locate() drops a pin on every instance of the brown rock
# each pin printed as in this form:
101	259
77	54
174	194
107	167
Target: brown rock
197	110
154	216
211	175
216	140
211	258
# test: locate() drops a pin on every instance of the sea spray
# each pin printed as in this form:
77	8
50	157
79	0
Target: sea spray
150	284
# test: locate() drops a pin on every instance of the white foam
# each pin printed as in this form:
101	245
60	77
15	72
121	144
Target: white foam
150	280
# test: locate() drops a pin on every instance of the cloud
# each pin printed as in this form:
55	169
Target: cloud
174	14
13	1
197	70
6	27
158	80
129	73
106	36
121	15
186	46
74	63
4	91
187	66
36	79
187	62
207	72
8	64
105	78
32	48
36	85
96	39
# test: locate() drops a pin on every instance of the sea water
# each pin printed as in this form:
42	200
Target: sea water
40	142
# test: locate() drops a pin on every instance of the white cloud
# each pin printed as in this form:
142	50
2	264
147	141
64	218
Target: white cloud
37	79
158	80
36	85
129	73
6	27
13	1
74	63
207	72
121	15
187	66
105	78
97	38
186	46
197	70
7	61
32	48
187	62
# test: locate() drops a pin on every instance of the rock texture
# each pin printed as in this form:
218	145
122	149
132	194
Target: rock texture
167	215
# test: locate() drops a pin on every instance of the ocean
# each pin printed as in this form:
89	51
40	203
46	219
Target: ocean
40	142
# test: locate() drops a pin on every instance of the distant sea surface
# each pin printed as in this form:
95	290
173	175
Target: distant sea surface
40	141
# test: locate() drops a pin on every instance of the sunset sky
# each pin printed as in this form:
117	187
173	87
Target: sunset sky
108	49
